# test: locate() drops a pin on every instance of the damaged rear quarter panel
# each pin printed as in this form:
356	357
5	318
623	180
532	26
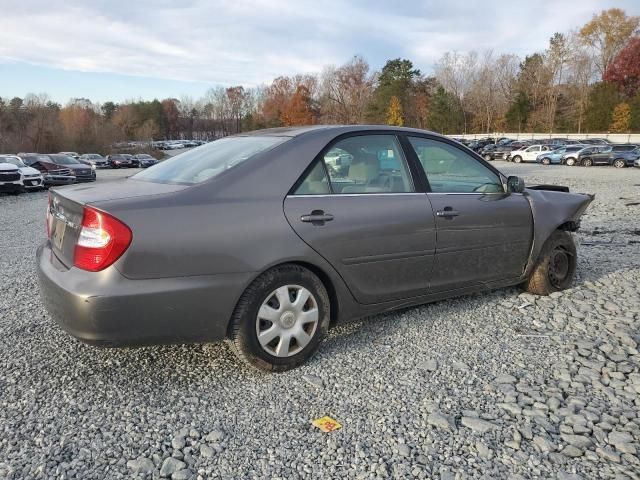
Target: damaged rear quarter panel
551	210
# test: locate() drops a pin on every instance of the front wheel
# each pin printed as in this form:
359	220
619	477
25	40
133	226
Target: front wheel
546	161
587	162
488	158
517	159
556	265
570	161
280	319
619	163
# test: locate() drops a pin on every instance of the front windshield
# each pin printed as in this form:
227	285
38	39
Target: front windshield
63	160
208	161
12	160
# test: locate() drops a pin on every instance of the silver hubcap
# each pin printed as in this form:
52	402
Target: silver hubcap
287	320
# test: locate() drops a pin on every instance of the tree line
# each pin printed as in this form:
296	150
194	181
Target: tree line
586	80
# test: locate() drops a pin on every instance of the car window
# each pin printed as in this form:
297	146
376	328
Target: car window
315	183
367	164
450	170
208	161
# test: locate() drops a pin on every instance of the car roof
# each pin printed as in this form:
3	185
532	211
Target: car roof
334	129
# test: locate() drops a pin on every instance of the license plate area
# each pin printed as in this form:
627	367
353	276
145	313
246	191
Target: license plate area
59	229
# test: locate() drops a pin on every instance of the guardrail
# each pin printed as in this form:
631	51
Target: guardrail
613	137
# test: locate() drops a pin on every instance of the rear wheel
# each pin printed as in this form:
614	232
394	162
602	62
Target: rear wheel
570	161
587	162
488	157
517	159
280	319
556	265
546	161
619	163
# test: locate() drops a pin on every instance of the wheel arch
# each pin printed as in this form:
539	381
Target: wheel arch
335	303
553	211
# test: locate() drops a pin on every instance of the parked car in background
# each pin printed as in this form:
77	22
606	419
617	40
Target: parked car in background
554	157
606	155
527	154
31	178
70	154
594	141
10	178
570	157
275	248
82	171
498	151
52	173
145	160
636	163
624	147
131	158
171	145
94	159
118	160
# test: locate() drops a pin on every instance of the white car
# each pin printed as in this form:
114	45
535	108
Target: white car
527	154
10	178
30	177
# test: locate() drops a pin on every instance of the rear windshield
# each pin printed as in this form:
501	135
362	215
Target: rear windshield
208	161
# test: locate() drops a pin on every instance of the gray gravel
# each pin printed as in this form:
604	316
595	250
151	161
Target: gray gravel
497	385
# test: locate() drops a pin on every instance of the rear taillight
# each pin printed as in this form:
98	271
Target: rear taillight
103	239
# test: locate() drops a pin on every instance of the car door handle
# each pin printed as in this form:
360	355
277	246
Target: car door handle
317	217
447	213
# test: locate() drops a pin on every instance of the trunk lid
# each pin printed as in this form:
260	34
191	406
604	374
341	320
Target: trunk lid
66	207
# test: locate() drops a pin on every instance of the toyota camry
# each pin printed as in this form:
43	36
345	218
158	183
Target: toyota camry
258	239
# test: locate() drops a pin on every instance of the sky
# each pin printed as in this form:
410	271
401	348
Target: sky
144	49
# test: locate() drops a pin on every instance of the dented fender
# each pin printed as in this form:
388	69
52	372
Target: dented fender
552	210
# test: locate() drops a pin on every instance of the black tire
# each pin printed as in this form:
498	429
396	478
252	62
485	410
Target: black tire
517	159
546	161
619	163
488	157
243	338
570	162
586	162
556	265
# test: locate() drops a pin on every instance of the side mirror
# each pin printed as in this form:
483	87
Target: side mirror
515	184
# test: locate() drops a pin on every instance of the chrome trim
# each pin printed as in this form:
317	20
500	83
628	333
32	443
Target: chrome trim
472	193
372	194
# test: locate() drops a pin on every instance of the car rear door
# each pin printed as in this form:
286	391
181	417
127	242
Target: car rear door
367	220
483	234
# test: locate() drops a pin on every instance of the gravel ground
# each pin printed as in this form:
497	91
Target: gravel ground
498	385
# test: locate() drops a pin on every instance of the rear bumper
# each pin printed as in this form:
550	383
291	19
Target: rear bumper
108	309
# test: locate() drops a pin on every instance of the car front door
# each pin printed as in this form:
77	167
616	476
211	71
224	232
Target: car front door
483	233
531	153
367	220
602	156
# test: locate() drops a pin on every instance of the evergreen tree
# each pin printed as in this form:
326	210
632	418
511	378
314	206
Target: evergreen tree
602	100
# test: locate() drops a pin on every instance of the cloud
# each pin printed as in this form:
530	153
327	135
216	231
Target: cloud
251	41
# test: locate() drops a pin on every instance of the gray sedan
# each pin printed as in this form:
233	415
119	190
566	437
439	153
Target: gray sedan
254	239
